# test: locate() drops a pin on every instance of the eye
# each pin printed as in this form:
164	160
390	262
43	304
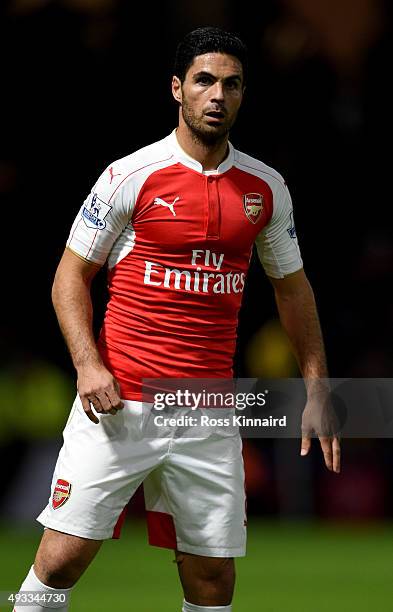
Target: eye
233	85
204	80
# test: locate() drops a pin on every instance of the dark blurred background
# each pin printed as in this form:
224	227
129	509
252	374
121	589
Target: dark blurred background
88	81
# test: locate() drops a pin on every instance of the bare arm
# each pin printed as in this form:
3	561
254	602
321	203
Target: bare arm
299	318
72	303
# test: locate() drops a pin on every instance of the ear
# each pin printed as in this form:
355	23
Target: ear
176	89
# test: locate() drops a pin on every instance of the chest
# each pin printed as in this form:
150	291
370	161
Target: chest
179	209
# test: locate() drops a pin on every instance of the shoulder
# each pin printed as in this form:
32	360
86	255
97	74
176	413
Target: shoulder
146	157
131	171
254	166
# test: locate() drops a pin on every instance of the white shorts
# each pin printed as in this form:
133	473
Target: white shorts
194	488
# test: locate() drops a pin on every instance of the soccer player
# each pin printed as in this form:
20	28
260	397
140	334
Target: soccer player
175	223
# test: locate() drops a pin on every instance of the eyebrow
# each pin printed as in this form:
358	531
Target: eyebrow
232	77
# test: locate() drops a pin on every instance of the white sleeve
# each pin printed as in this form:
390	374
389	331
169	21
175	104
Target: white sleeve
277	244
102	218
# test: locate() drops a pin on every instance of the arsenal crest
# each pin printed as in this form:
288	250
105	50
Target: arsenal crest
253	206
61	493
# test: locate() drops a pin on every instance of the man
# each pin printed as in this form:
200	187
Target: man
175	222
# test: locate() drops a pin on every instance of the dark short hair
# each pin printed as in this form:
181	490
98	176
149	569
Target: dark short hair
208	40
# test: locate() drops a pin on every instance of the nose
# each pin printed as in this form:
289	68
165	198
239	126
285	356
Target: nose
217	91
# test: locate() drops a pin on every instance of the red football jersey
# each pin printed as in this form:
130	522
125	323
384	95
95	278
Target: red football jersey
178	242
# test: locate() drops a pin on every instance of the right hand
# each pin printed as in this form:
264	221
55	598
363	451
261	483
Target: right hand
97	386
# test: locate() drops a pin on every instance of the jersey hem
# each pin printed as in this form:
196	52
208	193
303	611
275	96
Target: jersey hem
284	274
90	261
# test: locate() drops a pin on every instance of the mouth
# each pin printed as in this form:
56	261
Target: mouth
216	116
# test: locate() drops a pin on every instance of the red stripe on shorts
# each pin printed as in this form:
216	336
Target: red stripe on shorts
119	524
161	529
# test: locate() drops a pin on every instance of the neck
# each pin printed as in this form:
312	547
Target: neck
209	155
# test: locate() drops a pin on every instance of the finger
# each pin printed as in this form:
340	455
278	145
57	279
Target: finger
87	408
306	445
326	445
104	402
94	399
114	398
336	455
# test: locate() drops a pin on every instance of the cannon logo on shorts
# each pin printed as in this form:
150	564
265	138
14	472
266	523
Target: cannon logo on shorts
61	493
95	212
253	206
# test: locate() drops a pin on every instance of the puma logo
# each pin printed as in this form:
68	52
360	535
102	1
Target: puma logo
112	175
158	201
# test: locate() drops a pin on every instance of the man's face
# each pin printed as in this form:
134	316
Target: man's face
210	95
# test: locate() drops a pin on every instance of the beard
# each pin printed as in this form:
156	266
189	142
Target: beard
206	134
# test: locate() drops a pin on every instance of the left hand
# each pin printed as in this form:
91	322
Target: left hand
319	417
